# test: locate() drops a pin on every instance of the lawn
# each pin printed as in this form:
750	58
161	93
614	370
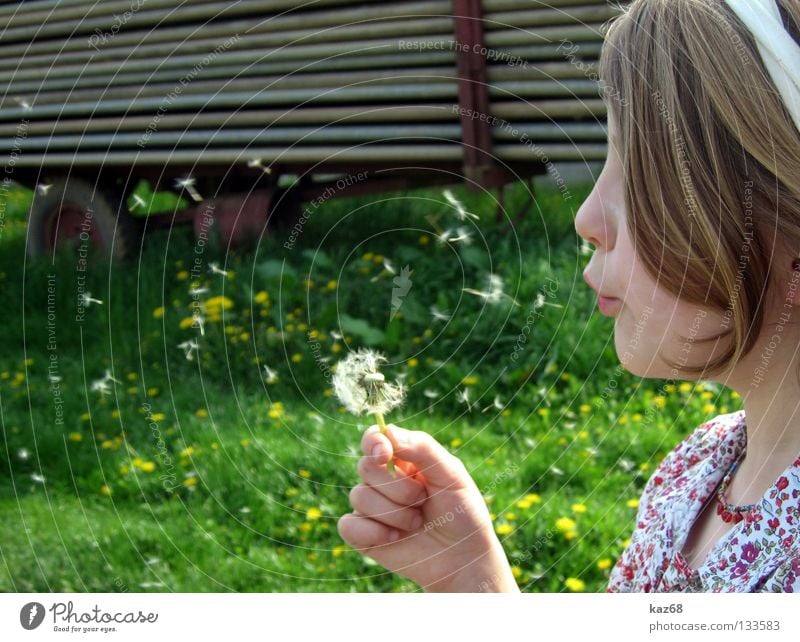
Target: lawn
141	454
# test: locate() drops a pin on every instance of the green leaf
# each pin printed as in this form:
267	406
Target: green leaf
360	328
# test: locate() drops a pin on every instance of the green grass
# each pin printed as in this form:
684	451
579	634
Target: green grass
233	483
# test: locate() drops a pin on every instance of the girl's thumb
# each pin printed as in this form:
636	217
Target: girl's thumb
432	459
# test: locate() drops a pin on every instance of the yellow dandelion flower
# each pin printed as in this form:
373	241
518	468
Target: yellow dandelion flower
424	240
632	503
115	414
706	394
305	527
158	312
261	297
623	420
132	390
152	392
201	412
565	524
188	451
604	563
331	285
504	529
305	474
186	322
190	482
575	584
660	401
669	388
85	416
336	347
685	387
544	412
583	434
735	395
377	259
570	535
506	412
131	376
469	381
245	443
313	514
511	517
182	275
413	362
297	357
157	416
105	490
147	466
124	470
338	550
75	436
637	417
516	571
709	407
106	444
585	408
579	508
367	256
455	443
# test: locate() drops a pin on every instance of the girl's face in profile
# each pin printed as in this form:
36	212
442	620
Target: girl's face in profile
648	319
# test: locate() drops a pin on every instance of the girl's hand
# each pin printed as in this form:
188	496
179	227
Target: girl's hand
429	522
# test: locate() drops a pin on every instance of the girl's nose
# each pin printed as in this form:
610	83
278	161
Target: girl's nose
591	223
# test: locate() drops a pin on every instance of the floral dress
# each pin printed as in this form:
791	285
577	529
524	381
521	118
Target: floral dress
760	553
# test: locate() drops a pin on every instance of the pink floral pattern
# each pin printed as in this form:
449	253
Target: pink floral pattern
760	553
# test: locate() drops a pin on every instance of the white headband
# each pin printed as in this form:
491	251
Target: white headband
779	51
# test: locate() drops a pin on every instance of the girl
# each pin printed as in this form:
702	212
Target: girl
696	223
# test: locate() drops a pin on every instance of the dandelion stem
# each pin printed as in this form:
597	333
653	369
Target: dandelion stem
384	430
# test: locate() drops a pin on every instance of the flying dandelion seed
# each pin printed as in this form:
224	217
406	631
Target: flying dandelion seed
43	188
188	184
103	386
437	315
496	404
24	103
214	268
335	335
362	389
87	300
460	234
138	201
189	348
463	397
197	291
461	212
540	302
586	247
431	394
270	376
256	162
495	292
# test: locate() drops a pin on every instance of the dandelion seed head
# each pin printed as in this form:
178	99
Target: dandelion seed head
360	386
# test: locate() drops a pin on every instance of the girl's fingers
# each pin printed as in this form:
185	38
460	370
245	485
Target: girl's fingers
368	501
362	533
400	488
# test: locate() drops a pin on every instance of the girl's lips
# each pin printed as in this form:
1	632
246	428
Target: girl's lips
609	306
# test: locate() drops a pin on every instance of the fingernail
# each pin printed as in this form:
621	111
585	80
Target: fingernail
377	451
394	535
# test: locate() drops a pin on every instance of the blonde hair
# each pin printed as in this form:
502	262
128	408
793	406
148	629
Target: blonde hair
700	123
